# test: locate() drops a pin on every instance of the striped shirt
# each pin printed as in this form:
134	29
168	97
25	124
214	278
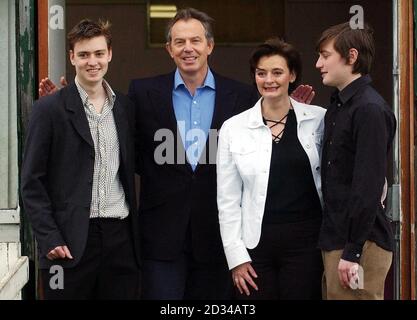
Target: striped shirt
108	197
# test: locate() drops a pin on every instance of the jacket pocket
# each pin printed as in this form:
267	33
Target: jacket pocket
244	156
242	148
155	200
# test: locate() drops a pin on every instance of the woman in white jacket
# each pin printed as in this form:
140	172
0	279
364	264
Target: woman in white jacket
268	184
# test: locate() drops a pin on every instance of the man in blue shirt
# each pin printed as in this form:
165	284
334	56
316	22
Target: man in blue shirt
183	254
194	114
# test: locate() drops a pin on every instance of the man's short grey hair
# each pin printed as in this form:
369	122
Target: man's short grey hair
191	13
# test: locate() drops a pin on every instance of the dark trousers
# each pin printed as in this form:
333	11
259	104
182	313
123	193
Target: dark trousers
186	278
107	269
288	263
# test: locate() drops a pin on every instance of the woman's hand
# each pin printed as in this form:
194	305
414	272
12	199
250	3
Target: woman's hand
243	274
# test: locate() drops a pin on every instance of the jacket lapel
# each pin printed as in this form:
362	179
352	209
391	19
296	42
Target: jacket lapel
161	100
303	113
75	108
225	103
122	127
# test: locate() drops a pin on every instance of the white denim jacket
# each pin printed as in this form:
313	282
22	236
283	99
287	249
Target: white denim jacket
243	161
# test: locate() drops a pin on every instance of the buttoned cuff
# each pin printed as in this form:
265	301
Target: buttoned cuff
352	252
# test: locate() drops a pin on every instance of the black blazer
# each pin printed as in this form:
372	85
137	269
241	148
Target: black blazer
172	196
57	172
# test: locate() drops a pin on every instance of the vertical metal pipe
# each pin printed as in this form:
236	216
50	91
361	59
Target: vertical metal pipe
396	190
26	85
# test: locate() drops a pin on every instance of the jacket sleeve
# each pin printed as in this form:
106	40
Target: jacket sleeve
34	177
229	195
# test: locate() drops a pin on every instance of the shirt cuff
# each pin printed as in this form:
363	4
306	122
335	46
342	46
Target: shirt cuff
237	255
352	252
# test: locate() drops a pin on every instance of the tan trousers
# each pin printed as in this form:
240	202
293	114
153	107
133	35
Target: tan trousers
375	264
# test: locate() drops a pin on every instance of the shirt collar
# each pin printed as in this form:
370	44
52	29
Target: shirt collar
84	95
351	89
208	82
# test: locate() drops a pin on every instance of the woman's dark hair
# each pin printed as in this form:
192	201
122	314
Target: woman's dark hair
276	46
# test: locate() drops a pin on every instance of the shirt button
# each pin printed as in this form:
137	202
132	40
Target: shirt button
358	255
328	163
339	104
308	146
331	142
195	122
318	168
334	123
195	102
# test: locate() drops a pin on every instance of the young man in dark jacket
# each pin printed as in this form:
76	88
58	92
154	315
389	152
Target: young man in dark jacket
78	186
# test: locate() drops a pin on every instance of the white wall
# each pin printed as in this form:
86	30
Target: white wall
13	267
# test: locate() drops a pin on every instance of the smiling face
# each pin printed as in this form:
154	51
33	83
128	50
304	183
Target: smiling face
91	58
189	47
273	77
334	69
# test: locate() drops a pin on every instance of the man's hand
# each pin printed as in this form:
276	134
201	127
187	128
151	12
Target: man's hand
347	270
47	87
303	94
243	273
61	252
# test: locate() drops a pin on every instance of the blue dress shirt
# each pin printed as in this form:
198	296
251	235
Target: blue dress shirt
194	114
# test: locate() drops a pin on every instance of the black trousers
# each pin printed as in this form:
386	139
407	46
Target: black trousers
288	263
107	269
